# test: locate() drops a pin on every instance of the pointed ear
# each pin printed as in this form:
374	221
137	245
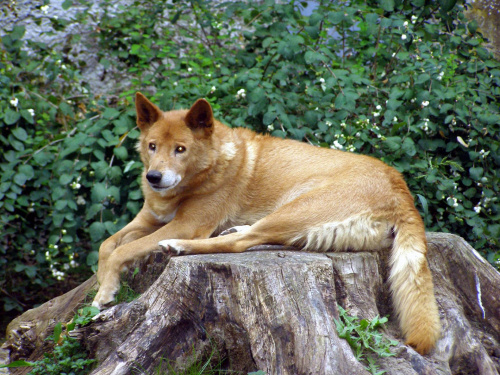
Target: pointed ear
147	112
200	118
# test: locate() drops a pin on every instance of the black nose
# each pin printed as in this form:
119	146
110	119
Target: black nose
154	177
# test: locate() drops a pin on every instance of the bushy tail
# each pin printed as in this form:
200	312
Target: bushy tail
411	285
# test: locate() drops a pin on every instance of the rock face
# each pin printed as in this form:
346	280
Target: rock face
276	310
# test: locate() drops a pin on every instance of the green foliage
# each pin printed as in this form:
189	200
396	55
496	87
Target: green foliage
68	357
125	293
407	82
364	338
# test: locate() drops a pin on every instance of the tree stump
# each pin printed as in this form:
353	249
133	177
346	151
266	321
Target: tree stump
275	311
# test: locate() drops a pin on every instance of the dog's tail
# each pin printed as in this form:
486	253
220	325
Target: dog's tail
411	284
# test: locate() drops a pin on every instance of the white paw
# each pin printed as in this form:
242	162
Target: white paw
97	304
172	245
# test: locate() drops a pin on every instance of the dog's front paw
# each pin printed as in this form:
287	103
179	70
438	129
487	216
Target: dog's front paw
103	298
173	246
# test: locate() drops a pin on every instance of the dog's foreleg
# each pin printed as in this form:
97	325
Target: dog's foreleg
129	252
141	226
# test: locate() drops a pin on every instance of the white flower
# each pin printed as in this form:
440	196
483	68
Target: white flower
270	128
14	102
44	9
241	94
31	111
190	69
395	119
477	209
212	90
63	67
403	36
336	145
414	19
453	201
376	114
440	76
425	103
322	80
405	24
328	123
378	107
176	83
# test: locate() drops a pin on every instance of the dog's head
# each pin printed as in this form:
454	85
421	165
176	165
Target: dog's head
175	146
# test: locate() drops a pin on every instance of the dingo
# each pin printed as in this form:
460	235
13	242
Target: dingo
201	177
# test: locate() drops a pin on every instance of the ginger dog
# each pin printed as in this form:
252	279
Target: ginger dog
201	177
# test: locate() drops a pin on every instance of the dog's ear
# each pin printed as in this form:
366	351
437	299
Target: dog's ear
147	112
200	118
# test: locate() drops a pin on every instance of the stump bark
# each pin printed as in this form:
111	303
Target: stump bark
275	311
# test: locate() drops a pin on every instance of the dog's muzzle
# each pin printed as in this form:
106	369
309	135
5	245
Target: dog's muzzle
162	181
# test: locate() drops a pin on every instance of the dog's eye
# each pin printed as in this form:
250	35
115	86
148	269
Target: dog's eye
180	149
152	146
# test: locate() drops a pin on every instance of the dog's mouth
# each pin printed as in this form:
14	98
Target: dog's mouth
160	188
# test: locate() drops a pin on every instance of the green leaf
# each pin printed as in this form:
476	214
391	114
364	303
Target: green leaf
11	117
136	48
96	230
57	332
256	95
20	134
27	116
313	57
18	32
93	257
446	5
19	364
387	5
110	113
269	117
65	179
60	205
20	179
393	143
476	173
408	147
422	78
121	152
99	192
472	26
424	203
67	4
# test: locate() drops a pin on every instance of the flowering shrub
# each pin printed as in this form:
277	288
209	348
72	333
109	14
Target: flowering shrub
407	82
